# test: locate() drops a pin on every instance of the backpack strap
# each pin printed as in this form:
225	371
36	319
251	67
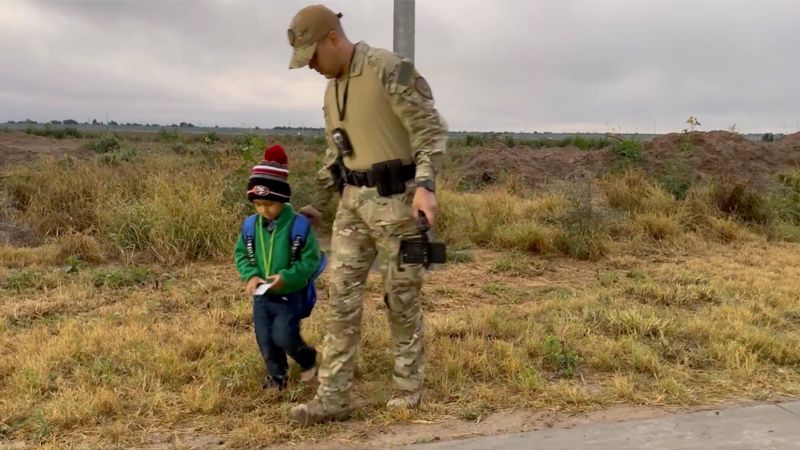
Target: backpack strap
249	235
300	227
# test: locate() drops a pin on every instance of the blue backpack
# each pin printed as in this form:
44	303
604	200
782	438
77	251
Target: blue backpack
300	228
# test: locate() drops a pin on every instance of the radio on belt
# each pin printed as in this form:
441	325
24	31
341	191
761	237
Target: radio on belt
342	141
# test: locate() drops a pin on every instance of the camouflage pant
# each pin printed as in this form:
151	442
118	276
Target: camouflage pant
369	226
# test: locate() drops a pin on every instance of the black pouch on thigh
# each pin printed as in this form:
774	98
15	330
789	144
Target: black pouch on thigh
388	177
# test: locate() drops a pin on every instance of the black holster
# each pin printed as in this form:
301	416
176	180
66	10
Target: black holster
390	177
338	173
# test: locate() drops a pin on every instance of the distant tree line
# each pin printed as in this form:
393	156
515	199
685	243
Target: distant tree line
134	124
294	128
93	122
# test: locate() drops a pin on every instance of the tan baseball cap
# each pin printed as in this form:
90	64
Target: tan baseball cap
308	26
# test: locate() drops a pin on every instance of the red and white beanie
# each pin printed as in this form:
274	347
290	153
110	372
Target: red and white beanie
269	179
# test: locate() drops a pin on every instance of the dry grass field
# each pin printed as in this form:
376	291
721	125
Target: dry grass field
123	322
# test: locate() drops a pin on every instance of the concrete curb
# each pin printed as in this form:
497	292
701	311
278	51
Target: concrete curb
773	426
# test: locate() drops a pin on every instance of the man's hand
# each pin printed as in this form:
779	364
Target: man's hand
312	214
277	283
425	201
252	284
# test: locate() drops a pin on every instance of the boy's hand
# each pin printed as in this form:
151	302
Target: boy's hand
312	213
252	284
277	283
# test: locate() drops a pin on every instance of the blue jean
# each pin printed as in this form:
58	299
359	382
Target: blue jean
276	319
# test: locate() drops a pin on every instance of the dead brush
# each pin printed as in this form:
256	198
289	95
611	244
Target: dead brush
740	201
585	222
82	245
659	226
53	200
634	193
18	257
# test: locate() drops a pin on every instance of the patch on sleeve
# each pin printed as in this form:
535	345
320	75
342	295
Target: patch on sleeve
424	89
404	71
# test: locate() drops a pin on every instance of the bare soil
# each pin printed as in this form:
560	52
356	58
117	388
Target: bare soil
538	166
19	147
419	432
721	153
707	154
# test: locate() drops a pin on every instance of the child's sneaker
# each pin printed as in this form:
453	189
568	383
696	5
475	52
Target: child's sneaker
271	383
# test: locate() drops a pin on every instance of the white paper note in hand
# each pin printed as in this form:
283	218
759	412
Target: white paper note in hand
262	288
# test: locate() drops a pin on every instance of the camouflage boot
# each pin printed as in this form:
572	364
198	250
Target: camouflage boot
315	412
405	399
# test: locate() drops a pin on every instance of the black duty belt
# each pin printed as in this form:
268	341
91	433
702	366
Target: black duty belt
367	179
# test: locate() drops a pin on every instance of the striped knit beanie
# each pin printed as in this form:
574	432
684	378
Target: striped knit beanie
269	178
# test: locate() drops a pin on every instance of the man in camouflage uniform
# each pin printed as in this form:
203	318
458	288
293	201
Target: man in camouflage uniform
386	109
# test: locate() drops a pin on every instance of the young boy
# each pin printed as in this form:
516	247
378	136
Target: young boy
277	313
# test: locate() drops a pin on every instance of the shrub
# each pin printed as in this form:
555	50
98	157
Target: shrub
627	153
770	137
168	135
740	201
678	178
585	225
211	138
107	142
786	198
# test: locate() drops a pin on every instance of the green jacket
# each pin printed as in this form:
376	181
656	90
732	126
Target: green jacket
277	243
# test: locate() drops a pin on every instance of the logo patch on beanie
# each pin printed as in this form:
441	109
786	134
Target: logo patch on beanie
261	190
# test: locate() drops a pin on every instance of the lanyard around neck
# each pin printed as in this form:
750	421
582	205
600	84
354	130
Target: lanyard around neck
343	109
271	242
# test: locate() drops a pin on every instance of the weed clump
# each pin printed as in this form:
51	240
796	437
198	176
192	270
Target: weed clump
739	201
106	143
119	156
633	192
628	153
585	224
786	199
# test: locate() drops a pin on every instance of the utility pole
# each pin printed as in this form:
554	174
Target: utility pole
404	28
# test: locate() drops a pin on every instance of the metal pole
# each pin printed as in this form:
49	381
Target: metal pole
404	28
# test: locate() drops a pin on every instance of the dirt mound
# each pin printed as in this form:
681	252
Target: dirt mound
535	165
794	137
722	153
706	154
18	147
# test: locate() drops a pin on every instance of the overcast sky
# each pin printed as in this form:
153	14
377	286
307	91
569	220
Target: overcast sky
593	65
